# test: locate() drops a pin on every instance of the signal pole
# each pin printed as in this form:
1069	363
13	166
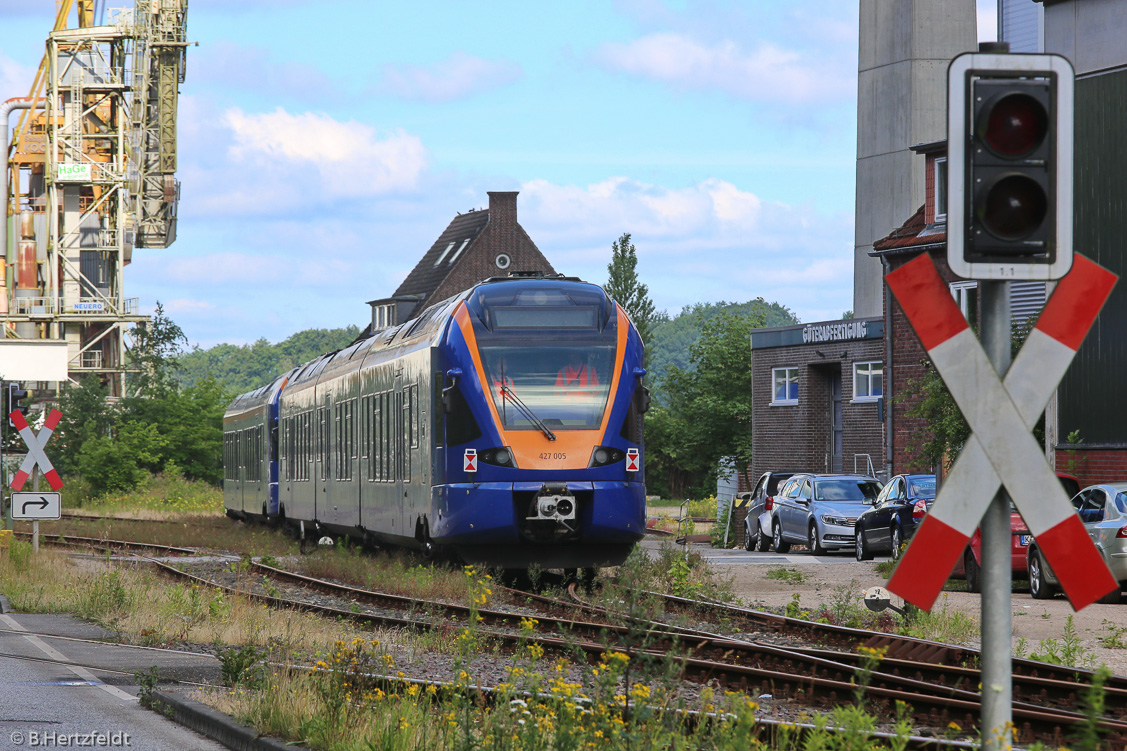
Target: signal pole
1009	137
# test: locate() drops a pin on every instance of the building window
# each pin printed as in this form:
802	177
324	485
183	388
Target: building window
784	386
941	189
458	252
443	256
868	381
966	297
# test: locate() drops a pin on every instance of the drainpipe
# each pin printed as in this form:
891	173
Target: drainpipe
16	103
887	372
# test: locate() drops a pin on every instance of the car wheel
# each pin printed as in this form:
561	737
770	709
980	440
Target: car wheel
812	541
896	542
1038	587
751	542
777	543
859	549
973	574
764	541
1114	597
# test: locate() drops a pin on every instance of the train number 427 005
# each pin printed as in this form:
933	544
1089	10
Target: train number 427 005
553	455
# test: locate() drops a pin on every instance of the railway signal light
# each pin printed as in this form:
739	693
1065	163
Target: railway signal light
13	395
1009	209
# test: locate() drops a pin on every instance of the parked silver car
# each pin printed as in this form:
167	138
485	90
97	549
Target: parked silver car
819	511
1103	510
757	524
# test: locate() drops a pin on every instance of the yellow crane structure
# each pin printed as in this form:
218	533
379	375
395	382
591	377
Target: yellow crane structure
90	175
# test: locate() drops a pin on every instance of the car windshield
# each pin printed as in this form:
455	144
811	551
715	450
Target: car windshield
846	490
563	385
1121	503
921	487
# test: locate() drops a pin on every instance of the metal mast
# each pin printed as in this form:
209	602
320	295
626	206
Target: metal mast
91	176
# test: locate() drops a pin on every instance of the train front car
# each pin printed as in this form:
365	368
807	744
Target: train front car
542	401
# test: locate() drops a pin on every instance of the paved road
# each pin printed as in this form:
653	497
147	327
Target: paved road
743	557
47	700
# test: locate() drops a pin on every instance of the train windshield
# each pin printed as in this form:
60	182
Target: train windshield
562	386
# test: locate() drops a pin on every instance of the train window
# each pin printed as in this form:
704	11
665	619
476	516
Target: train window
439	382
413	417
564	386
402	439
461	427
348	438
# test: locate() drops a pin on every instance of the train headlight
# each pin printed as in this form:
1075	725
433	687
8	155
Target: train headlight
604	455
500	457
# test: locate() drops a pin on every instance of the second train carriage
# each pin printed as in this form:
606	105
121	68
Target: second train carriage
504	425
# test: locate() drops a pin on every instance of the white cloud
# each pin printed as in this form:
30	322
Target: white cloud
348	155
768	72
707	241
276	163
459	76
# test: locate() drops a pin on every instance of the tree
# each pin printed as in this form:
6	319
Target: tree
86	415
945	430
623	286
708	412
157	346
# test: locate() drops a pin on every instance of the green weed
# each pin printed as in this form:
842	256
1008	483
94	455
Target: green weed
791	575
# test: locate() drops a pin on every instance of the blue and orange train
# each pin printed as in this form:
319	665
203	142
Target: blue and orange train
502	426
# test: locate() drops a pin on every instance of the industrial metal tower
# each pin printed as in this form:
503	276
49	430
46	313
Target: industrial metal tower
90	176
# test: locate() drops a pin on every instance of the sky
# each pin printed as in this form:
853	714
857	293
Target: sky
325	144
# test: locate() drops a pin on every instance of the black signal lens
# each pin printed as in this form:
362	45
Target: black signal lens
1016	124
1013	207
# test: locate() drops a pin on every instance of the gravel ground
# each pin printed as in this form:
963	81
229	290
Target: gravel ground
1033	620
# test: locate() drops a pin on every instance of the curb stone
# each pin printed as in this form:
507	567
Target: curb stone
215	725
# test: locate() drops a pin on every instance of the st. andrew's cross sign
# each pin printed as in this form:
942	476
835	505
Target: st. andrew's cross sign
1001	449
35	454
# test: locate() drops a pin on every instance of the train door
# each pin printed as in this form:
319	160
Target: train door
402	461
364	450
321	481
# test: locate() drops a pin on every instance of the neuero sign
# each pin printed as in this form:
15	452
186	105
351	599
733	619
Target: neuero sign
834	332
73	173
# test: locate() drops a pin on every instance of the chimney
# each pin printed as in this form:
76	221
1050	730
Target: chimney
503	220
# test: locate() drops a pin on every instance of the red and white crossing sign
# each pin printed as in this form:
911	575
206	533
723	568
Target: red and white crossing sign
1001	449
469	461
35	454
632	463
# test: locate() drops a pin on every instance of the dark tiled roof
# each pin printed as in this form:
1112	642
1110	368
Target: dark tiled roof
425	277
913	233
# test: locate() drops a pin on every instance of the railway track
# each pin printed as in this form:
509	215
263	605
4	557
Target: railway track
937	681
896	646
106	544
936	696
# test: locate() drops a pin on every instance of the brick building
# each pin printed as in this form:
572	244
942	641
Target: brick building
817	396
475	246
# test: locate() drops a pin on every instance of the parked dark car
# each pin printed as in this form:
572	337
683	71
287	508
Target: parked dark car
759	506
968	566
819	511
894	516
1103	511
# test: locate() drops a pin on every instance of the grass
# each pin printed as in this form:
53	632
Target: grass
705	507
163	495
143	608
942	624
791	575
